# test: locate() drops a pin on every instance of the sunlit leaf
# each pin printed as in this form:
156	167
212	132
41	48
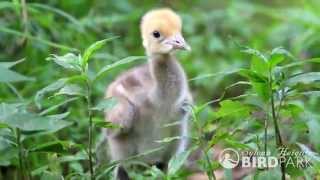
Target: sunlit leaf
233	109
92	48
278	55
259	66
255	53
68	61
3	125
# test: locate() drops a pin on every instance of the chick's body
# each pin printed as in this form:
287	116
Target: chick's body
151	96
151	110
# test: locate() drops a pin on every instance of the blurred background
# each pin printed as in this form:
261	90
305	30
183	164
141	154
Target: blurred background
34	29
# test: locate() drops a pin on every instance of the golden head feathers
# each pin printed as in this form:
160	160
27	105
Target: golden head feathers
161	32
163	20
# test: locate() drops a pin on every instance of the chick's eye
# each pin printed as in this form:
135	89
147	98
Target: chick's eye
156	34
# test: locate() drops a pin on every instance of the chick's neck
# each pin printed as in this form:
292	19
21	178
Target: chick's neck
168	77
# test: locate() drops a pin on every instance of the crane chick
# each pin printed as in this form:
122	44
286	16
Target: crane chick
151	96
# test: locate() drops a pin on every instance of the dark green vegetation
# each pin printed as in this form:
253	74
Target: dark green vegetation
253	71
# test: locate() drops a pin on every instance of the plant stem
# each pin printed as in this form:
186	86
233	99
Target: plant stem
90	131
20	154
266	138
210	172
276	126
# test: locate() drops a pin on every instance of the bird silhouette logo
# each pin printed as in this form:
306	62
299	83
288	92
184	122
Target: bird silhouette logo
229	158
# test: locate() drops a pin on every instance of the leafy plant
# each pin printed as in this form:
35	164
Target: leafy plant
81	85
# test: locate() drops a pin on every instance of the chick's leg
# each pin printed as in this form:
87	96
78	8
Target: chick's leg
121	146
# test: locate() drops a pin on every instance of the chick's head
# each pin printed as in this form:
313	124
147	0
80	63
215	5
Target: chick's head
161	32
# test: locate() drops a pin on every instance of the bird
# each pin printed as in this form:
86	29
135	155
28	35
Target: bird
151	96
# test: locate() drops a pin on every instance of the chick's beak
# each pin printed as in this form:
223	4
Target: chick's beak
178	42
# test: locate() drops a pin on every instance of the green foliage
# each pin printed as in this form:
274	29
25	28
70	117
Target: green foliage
232	109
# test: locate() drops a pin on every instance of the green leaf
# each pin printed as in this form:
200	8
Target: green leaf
156	173
277	56
213	75
116	64
46	175
68	61
6	143
7	110
262	90
55	146
11	64
304	78
234	109
56	106
105	124
33	122
177	161
301	62
292	109
35	38
253	76
71	90
255	53
217	137
259	66
8	76
275	60
71	158
105	104
94	47
3	125
7	156
236	144
50	88
57	11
